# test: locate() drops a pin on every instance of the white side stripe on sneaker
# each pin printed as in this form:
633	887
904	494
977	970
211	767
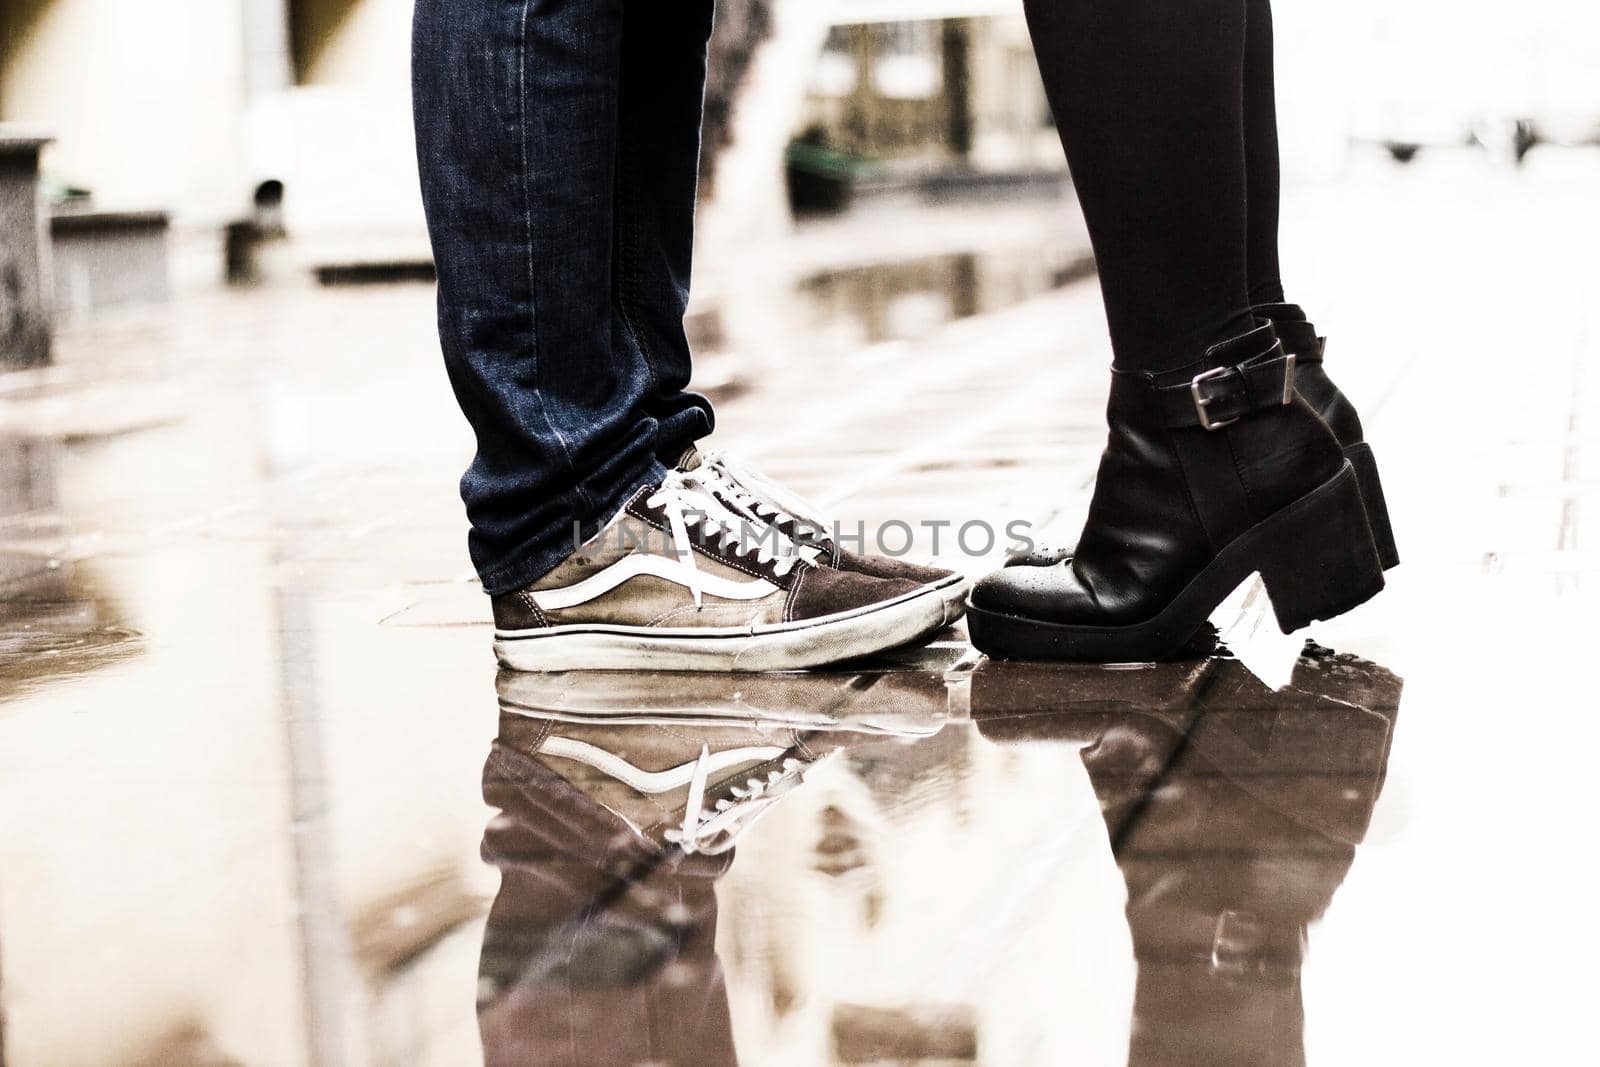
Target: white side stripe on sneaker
652	782
642	563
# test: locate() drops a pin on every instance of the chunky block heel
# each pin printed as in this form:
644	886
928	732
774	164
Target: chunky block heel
1310	349
1366	466
1320	560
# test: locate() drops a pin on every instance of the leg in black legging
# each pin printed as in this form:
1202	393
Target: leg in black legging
1214	467
1261	154
1148	100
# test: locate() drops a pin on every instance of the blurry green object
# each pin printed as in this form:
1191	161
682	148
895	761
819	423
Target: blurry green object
821	177
58	192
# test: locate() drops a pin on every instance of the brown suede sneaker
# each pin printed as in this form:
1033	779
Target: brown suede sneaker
677	581
748	492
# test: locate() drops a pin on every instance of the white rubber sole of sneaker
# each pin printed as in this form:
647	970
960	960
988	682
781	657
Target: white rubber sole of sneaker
776	647
954	591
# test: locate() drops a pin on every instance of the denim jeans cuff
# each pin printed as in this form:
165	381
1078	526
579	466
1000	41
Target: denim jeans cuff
543	554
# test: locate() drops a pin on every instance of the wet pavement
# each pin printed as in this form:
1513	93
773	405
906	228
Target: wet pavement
947	871
265	800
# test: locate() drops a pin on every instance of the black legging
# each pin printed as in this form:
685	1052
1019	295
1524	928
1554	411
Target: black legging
1166	111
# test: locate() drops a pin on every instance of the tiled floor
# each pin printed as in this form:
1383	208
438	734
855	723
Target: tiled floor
246	699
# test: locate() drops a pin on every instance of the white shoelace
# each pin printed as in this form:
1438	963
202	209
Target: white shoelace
758	494
687	501
712	833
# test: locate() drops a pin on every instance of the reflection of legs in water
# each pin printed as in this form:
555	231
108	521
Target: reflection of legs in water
599	949
1234	813
615	825
1234	847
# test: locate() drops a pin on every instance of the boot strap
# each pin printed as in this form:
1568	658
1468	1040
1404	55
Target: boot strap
1222	396
1301	338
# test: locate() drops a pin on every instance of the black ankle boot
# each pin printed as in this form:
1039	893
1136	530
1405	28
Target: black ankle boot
1211	473
1300	340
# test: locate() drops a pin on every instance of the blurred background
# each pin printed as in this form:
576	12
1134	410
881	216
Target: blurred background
263	139
238	808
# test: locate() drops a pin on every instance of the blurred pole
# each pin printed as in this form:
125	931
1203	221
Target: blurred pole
750	199
331	993
268	77
956	41
327	972
24	252
862	118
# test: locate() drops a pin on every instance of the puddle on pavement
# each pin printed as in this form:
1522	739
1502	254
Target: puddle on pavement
847	309
49	625
49	631
911	298
939	859
876	913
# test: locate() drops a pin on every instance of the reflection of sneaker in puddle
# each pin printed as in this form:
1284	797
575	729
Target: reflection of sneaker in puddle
872	697
596	934
694	785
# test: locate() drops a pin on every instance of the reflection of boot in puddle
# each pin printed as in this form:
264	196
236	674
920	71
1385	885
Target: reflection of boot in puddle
614	828
1234	813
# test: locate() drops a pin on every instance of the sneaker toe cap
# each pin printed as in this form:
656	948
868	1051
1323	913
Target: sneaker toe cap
898	569
821	591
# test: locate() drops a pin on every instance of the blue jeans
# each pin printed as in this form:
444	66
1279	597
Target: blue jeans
559	145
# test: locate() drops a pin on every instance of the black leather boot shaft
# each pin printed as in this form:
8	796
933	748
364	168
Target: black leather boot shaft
1300	339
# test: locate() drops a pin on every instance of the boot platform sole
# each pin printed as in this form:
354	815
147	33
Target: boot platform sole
1316	557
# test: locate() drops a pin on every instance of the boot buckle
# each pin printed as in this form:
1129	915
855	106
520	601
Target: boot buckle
1202	402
